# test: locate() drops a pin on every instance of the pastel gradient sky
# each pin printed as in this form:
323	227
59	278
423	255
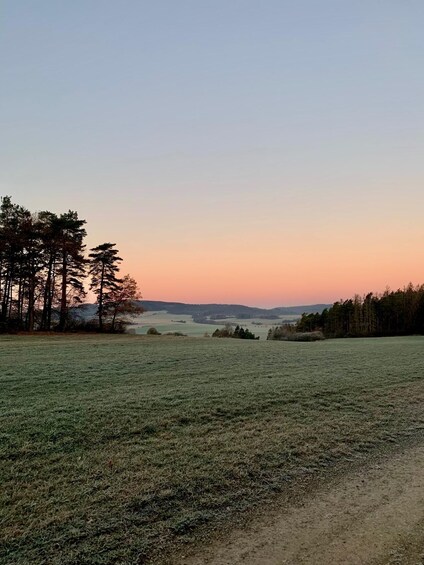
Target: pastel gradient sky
253	151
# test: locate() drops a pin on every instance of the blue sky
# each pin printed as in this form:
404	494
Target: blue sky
168	124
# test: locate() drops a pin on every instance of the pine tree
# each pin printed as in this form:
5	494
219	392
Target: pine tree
12	253
104	267
72	263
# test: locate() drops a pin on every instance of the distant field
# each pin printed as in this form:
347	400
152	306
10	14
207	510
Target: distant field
165	322
115	449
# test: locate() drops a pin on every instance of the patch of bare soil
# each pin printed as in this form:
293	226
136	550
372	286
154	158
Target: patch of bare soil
373	516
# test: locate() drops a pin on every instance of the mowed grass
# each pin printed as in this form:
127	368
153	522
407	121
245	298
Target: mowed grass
119	449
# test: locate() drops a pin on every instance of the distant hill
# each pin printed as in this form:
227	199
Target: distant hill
205	312
229	310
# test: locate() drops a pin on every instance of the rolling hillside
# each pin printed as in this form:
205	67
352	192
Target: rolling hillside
229	310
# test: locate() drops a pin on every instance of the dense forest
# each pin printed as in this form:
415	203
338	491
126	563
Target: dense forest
44	272
392	313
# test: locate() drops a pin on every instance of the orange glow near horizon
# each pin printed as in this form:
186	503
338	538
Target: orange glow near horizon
270	272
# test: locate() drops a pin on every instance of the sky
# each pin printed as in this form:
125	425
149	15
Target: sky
260	152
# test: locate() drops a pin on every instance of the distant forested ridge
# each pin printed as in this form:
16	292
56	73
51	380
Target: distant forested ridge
393	313
221	311
44	268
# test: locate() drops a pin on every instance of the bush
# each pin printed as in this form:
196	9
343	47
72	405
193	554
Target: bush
78	325
288	332
223	332
153	331
226	331
281	332
307	336
81	325
242	333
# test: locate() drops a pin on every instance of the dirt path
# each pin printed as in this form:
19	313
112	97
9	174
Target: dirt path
373	516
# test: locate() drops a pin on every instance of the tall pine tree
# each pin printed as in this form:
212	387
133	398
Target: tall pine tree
104	266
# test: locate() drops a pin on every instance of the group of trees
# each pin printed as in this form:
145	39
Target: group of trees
399	312
44	268
238	332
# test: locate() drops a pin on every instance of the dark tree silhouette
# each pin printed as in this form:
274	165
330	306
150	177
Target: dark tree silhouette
43	270
104	266
122	303
391	313
72	262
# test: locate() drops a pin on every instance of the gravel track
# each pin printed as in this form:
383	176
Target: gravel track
372	516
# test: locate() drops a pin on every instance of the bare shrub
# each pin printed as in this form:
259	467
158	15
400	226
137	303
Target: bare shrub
287	332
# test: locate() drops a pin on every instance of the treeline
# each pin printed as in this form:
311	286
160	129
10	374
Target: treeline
44	269
392	313
238	333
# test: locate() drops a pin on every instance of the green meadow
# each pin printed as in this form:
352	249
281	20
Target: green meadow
165	322
120	449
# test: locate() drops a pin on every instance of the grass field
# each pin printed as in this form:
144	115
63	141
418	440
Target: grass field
165	322
115	449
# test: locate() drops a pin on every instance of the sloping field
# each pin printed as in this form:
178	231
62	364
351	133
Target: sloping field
121	449
165	322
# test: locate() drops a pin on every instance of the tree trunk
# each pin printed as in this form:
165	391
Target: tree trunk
63	301
47	303
31	298
101	298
